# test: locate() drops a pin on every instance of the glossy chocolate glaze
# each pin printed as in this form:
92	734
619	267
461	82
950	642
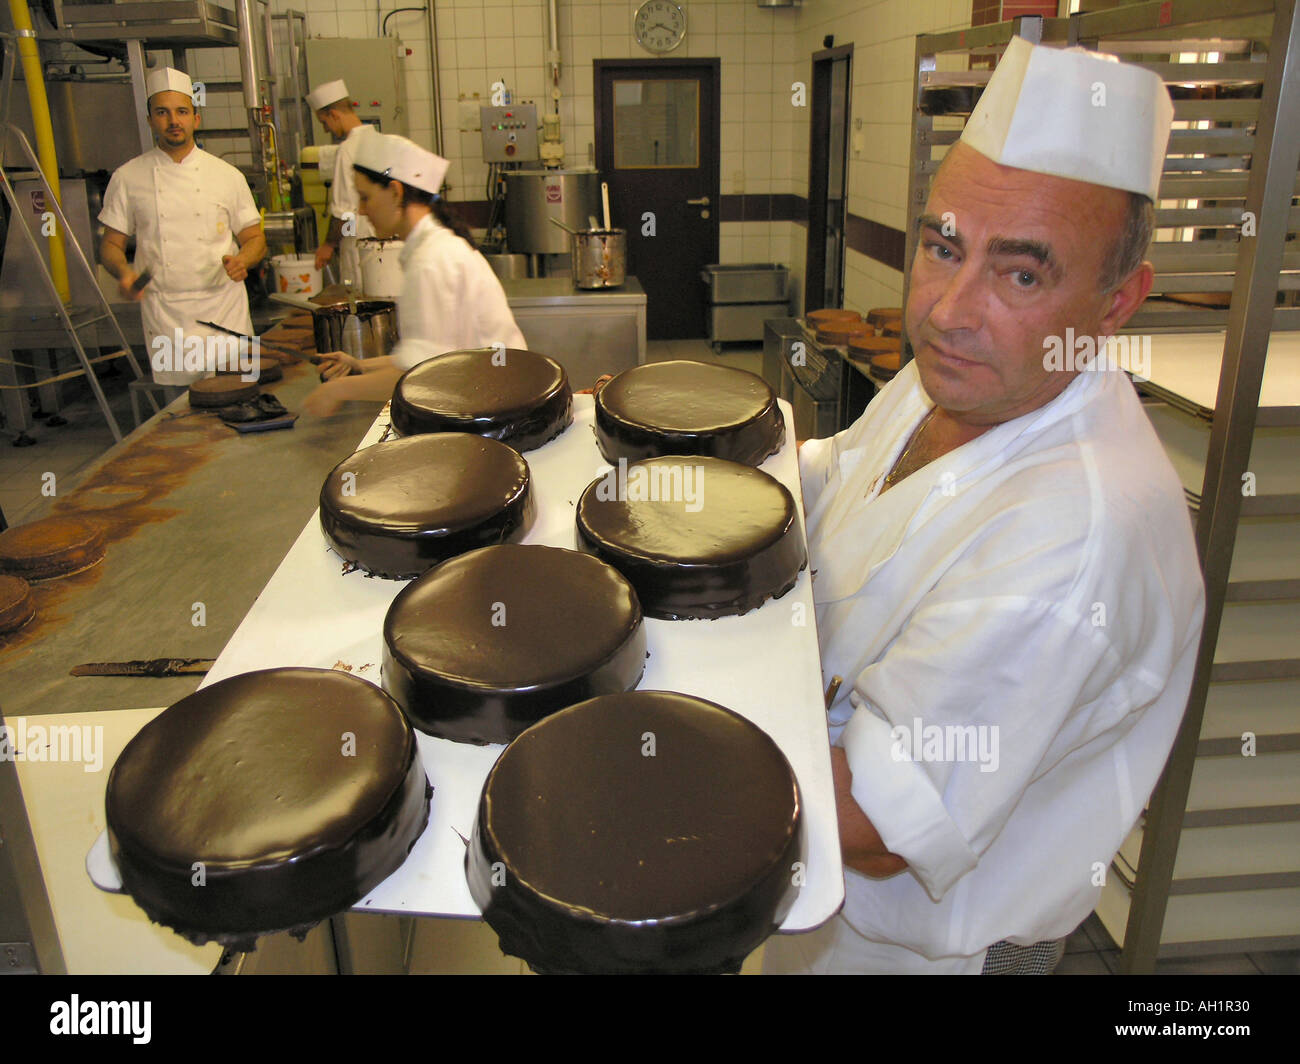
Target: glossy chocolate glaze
688	408
55	546
221	391
253	778
16	606
524	402
421	500
614	861
490	642
741	546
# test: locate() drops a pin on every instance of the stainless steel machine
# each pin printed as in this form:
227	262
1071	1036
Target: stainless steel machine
533	198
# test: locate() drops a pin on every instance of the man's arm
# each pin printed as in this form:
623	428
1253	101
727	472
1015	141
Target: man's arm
860	842
252	246
112	255
332	240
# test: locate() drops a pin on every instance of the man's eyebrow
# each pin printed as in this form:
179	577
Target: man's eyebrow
1035	249
933	221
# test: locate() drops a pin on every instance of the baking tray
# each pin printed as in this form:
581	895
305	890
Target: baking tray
764	665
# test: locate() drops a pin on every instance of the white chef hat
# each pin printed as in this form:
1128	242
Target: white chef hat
167	79
1076	114
323	95
402	160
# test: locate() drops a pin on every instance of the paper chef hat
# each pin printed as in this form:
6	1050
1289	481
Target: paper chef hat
402	160
1076	114
323	95
165	79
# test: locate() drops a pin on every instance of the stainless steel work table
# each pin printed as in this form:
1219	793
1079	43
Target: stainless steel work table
589	332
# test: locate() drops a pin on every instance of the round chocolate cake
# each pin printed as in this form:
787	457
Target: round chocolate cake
55	546
518	397
16	606
398	508
264	803
641	832
688	408
490	642
696	537
225	390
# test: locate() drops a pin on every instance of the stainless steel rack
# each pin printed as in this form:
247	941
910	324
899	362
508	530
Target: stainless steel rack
1239	153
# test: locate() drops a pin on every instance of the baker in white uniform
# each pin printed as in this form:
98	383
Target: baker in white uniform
451	299
1005	573
197	232
333	106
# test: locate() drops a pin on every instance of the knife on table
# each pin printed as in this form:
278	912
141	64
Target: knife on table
149	667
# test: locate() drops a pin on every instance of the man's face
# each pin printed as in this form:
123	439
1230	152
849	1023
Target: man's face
173	119
329	118
1006	258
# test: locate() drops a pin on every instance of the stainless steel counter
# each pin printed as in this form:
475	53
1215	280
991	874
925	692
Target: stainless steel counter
589	332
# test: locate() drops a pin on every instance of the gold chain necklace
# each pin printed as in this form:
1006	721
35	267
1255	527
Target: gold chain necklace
894	474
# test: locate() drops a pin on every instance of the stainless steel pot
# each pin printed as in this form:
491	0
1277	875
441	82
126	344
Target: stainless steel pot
378	326
599	256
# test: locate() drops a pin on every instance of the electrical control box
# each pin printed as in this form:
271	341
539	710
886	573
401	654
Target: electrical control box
509	133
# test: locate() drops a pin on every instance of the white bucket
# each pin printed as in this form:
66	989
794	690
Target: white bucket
296	275
381	267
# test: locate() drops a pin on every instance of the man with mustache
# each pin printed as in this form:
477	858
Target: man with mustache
1001	548
197	232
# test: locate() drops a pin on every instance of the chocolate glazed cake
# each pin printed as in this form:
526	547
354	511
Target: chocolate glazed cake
688	408
265	802
518	397
643	832
398	508
696	537
490	642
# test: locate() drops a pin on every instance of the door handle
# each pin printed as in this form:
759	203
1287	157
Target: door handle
703	201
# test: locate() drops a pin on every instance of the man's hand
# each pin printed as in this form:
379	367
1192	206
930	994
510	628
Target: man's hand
863	848
334	364
323	401
125	281
235	269
323	255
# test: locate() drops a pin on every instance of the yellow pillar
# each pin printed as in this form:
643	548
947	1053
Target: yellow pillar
40	107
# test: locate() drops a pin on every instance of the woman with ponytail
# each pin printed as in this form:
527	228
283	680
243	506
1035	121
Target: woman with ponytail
451	299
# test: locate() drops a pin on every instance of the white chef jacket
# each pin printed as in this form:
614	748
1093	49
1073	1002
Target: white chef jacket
451	298
345	204
185	216
1040	580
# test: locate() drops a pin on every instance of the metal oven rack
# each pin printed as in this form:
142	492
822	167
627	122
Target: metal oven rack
1233	67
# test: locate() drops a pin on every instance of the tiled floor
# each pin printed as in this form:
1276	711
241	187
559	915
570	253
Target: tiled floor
62	450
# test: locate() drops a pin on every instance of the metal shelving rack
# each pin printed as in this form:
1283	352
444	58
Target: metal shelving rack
1239	154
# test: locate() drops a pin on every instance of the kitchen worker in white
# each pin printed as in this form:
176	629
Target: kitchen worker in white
1005	573
333	106
451	299
197	233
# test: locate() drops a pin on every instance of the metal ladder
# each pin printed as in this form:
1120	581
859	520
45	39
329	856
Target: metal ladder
74	319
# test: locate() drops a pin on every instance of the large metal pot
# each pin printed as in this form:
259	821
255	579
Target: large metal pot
599	258
378	326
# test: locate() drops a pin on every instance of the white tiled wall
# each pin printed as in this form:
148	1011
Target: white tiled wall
764	147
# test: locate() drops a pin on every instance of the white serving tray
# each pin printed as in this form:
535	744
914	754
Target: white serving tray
764	665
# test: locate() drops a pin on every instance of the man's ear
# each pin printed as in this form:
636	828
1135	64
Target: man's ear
1123	303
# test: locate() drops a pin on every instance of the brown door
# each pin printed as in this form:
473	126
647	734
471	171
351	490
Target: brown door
657	132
